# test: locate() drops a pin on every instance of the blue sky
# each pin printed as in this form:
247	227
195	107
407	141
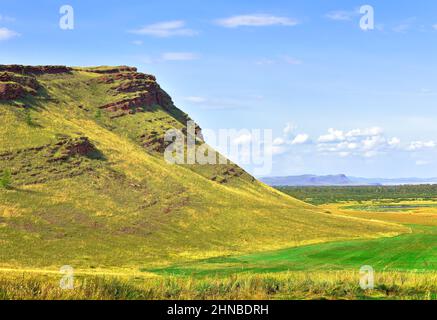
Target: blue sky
339	99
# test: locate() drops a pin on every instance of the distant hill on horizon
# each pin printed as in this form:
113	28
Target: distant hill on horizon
341	180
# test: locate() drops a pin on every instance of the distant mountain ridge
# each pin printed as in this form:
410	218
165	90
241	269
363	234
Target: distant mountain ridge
308	180
341	180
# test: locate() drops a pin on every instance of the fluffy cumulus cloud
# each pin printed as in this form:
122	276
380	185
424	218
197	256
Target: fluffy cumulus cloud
364	143
367	142
289	139
166	29
242	139
333	135
301	138
256	20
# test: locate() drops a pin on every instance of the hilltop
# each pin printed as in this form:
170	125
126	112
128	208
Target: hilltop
90	187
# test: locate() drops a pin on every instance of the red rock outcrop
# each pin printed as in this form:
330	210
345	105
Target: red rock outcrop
138	104
125	76
11	91
15	86
20	69
27	81
80	146
149	93
65	158
67	148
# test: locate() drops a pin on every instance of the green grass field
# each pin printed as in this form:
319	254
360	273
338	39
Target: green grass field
411	252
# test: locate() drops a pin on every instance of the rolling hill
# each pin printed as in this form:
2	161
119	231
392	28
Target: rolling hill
89	186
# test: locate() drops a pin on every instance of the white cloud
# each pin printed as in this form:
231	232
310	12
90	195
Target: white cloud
278	150
361	142
196	99
243	139
374	131
434	26
256	20
220	103
352	145
179	56
289	128
422	163
332	136
342	15
426	91
367	142
293	61
419	145
301	139
404	25
166	29
263	62
373	142
137	42
279	141
394	142
401	28
288	139
283	59
344	154
6	34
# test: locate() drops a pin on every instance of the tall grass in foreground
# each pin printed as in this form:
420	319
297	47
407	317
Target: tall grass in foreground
331	285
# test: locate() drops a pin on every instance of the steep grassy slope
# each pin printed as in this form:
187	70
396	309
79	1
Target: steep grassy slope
91	189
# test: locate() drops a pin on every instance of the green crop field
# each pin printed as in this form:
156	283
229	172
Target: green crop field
411	252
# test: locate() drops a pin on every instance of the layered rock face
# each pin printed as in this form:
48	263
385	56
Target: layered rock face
11	91
27	81
145	91
20	69
14	86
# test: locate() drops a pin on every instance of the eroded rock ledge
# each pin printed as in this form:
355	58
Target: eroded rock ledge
65	158
21	69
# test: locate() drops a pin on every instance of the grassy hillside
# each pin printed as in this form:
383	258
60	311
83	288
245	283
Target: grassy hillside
90	188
